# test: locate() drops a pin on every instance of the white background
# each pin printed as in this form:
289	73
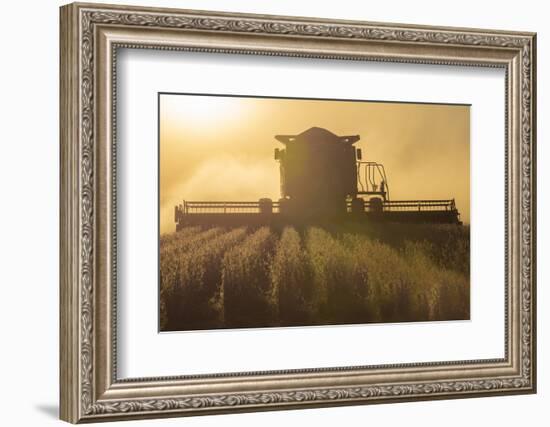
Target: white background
29	171
145	353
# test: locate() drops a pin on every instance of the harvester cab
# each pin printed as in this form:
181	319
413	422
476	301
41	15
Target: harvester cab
322	173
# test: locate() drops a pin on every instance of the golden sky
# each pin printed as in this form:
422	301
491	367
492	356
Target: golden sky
221	148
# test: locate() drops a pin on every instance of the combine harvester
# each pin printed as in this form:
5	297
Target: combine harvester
323	179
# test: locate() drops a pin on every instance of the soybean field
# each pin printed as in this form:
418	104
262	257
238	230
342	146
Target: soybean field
248	277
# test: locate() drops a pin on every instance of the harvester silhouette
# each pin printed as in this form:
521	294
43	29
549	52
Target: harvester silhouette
323	178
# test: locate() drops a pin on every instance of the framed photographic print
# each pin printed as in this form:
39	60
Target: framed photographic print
264	212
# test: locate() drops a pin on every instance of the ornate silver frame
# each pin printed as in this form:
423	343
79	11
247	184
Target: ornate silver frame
90	36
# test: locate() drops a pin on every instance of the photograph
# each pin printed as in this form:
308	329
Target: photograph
278	212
